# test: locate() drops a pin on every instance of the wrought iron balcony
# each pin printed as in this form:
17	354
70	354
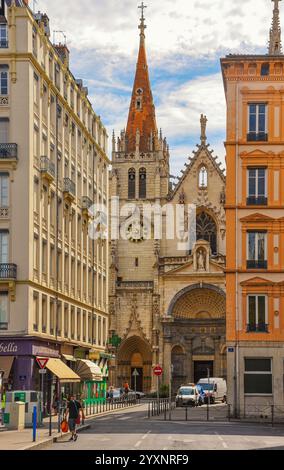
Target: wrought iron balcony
47	168
69	188
256	264
257	328
8	271
9	151
257	137
257	201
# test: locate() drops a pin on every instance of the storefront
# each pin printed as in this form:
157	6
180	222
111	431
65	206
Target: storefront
18	361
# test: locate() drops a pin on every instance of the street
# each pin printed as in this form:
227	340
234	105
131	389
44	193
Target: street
132	430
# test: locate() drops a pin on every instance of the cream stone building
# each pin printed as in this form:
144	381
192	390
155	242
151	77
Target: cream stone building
167	305
53	167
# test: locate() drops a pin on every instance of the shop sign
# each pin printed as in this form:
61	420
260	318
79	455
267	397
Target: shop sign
8	348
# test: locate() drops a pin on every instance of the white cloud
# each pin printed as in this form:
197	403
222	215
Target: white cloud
185	39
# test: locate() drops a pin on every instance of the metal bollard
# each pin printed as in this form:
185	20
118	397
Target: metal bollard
34	423
186	417
272	415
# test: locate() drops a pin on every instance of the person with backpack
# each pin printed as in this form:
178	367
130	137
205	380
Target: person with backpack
74	409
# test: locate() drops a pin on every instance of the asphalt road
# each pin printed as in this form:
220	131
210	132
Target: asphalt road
132	430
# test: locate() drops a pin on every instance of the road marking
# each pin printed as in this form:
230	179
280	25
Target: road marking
138	444
224	444
145	435
124	418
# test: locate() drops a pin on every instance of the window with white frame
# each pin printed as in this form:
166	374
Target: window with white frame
4	189
257	128
4	246
4	74
258	376
3	36
257	186
4	310
257	250
257	314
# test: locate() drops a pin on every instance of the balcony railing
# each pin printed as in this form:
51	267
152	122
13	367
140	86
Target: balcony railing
9	151
257	201
257	137
69	187
8	271
47	167
256	264
257	328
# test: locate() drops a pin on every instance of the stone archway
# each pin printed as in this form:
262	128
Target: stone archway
134	353
198	323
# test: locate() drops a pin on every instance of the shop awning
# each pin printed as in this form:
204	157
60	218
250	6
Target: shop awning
69	358
88	370
62	371
6	363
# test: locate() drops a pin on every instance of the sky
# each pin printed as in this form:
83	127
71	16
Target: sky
185	40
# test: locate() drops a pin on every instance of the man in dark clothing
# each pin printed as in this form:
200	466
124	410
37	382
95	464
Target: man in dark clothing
74	409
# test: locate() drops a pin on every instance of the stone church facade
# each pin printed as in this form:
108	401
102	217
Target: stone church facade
167	305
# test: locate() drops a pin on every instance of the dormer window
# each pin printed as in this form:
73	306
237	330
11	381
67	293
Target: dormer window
203	178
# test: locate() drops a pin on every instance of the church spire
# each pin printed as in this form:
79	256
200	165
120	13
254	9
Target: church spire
142	110
275	31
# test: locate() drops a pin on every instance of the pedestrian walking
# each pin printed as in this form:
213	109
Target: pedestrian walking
74	409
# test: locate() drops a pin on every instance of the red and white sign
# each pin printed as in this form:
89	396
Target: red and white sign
42	361
158	370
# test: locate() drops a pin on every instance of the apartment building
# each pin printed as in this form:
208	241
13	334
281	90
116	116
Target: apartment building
255	227
53	168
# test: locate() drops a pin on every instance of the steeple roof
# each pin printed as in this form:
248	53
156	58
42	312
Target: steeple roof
275	47
141	126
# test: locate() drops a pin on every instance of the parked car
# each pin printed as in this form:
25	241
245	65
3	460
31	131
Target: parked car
115	394
214	388
188	396
139	395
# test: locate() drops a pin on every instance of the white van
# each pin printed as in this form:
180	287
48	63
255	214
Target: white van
214	388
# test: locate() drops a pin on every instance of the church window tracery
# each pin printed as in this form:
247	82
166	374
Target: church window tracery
206	230
142	183
131	183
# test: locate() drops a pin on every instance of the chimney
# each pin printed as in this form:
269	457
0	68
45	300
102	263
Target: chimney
63	52
42	18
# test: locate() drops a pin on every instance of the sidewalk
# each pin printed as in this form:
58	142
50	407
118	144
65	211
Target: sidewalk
23	440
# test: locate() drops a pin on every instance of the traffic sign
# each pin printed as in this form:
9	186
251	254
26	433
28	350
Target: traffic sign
135	373
158	370
42	371
42	361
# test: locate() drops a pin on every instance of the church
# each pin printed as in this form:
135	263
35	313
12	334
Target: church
167	305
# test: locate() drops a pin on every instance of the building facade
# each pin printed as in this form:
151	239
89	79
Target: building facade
167	305
53	167
255	217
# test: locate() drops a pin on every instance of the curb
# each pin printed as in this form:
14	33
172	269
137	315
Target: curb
58	437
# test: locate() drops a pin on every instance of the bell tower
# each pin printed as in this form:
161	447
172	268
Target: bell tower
140	175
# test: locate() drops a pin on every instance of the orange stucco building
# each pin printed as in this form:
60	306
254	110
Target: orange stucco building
254	88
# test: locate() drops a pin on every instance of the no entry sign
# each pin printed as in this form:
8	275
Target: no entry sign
42	361
158	370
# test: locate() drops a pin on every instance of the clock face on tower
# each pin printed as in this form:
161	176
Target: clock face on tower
136	232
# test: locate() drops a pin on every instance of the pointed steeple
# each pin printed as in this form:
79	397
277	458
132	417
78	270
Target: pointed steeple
142	110
275	47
